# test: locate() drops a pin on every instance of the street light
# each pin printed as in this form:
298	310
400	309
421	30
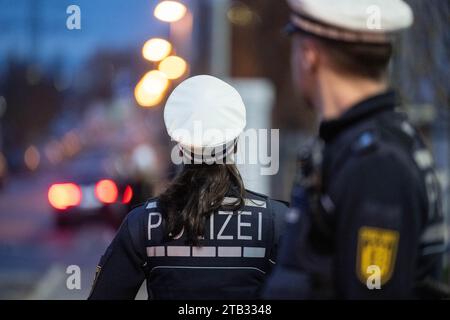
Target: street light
170	11
156	49
173	67
151	88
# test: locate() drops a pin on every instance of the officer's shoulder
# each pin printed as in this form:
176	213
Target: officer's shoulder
138	210
255	195
365	142
259	196
281	204
370	148
373	143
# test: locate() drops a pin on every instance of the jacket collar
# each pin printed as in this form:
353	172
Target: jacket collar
360	111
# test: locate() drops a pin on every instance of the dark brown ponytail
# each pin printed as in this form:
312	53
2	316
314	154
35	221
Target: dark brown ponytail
195	194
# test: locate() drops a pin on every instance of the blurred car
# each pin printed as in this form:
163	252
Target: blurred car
86	192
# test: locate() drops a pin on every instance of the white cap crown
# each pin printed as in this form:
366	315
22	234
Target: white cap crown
204	112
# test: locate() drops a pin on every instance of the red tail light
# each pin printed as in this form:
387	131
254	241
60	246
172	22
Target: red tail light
127	195
64	195
106	191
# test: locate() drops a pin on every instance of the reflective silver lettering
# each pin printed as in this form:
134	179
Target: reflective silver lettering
219	235
243	224
153	225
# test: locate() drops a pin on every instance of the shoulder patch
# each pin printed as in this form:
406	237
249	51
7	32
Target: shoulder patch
377	251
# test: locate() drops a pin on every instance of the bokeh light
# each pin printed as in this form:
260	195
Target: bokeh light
64	195
173	67
151	88
71	144
32	158
241	15
127	195
170	11
106	191
54	151
156	49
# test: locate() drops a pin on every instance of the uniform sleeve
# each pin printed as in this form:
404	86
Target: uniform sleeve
120	272
378	206
288	281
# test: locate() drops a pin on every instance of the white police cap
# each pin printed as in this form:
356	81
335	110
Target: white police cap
205	114
371	21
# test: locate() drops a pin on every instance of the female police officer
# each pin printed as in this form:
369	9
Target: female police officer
205	237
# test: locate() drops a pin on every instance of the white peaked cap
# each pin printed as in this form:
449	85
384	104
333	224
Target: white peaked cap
204	112
353	15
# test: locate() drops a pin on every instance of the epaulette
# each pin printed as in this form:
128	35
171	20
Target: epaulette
151	203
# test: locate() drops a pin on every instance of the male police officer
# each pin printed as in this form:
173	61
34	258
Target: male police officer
214	252
366	219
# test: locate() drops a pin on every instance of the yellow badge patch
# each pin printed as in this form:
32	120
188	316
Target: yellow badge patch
377	247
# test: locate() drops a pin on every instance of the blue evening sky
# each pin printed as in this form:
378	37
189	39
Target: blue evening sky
105	24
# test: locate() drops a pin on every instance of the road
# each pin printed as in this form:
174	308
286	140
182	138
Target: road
34	254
